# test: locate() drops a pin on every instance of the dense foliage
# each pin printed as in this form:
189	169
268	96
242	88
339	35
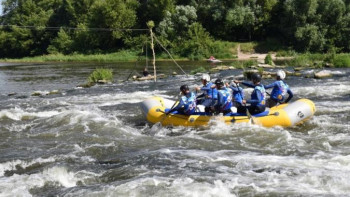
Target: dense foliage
189	28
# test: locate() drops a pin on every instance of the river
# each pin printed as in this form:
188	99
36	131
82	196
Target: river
96	142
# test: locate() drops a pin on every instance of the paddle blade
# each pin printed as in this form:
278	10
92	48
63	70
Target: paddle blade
251	118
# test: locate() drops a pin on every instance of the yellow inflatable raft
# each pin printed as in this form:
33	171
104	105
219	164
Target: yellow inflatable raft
284	115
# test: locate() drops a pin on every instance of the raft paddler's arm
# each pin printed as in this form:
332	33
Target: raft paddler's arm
178	106
290	96
248	84
205	88
234	88
270	85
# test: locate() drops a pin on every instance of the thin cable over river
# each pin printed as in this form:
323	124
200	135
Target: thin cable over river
96	142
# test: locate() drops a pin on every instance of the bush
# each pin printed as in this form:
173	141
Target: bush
101	74
248	47
268	59
244	64
286	53
224	50
341	60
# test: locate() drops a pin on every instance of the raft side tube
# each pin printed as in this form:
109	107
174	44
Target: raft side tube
300	111
283	115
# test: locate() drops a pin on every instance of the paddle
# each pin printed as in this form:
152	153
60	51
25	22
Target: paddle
212	99
251	119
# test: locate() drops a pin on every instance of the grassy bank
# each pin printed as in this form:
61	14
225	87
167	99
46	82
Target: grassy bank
122	56
295	60
341	60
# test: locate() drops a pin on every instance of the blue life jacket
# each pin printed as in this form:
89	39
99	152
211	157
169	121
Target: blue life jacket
210	92
237	93
259	89
224	99
188	102
279	90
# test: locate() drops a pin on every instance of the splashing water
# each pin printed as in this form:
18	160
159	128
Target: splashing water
96	142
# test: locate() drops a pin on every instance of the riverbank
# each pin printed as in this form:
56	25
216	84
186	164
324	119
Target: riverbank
339	60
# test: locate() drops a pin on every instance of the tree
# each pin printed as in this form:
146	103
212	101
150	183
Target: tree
198	43
115	15
64	15
61	44
241	20
175	26
30	41
154	10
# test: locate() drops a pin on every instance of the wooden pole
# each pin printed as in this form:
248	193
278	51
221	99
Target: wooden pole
154	55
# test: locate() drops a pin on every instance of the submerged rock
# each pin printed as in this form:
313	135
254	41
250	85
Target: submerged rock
36	94
264	74
53	92
149	77
266	66
221	68
299	68
103	81
86	85
323	74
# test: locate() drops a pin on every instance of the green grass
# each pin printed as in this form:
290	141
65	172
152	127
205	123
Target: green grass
248	47
224	50
198	70
111	57
244	64
319	60
341	60
221	50
101	74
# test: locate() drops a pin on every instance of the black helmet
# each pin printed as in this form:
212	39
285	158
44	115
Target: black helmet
219	82
184	88
256	77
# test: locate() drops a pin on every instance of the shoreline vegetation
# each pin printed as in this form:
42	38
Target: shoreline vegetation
116	30
244	52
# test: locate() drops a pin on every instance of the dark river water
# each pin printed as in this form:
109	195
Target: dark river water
96	142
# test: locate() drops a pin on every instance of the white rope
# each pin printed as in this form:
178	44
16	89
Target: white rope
169	54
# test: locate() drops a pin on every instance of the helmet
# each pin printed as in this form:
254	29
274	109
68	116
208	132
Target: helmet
206	77
256	77
219	82
281	74
184	88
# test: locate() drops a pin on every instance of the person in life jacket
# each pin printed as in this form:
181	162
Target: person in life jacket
224	103
209	96
145	72
187	103
257	101
238	96
279	91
